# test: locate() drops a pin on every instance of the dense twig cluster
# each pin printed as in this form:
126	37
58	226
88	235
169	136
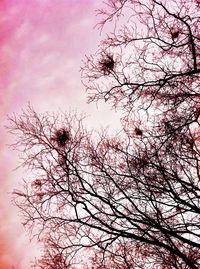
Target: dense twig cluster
61	137
107	64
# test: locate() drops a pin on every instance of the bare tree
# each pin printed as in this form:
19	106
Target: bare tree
154	55
131	200
129	190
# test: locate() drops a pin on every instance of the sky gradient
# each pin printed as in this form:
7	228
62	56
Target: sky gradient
42	44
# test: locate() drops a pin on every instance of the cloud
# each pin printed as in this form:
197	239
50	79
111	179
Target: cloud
41	45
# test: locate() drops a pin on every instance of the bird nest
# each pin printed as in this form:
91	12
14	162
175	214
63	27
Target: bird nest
107	64
61	137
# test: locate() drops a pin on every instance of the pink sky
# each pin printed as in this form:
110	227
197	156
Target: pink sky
42	43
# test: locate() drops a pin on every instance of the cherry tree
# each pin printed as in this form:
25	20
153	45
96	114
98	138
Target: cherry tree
131	199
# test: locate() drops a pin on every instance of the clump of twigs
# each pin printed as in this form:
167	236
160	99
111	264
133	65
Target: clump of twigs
175	34
61	137
37	183
107	64
138	131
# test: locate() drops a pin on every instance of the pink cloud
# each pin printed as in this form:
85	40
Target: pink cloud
41	45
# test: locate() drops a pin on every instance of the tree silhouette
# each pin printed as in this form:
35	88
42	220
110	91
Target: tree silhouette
130	200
